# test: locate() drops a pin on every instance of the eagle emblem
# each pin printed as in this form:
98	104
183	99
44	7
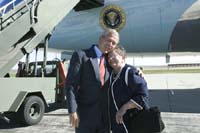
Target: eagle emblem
112	16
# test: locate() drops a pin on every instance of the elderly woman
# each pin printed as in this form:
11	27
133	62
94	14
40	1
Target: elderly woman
128	91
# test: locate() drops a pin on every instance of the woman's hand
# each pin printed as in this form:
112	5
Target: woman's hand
129	105
120	113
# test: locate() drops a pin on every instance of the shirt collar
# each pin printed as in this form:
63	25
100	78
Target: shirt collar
98	51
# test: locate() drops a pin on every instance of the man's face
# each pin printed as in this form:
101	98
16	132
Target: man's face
108	43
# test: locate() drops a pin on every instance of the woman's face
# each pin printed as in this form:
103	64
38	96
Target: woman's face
115	60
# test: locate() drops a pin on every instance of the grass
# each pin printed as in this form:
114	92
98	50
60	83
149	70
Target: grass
157	71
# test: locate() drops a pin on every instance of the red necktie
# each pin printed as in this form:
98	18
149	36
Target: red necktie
102	69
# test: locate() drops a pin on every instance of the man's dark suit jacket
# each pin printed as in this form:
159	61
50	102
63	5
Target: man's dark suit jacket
85	95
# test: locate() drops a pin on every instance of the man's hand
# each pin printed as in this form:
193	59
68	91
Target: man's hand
140	72
74	119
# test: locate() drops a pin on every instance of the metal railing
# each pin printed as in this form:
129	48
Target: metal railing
6	20
5	7
34	17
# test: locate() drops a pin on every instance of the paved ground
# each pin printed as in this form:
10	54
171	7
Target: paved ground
53	122
57	122
179	92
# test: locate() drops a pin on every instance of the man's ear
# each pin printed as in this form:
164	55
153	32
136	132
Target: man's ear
100	38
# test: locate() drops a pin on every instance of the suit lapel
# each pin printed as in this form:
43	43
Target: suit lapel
94	61
107	75
95	66
107	69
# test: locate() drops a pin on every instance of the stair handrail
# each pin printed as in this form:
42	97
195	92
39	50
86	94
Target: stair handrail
34	17
3	9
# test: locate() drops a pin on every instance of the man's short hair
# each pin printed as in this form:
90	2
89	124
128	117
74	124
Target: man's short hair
108	32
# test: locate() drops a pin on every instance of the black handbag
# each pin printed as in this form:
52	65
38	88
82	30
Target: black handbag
146	121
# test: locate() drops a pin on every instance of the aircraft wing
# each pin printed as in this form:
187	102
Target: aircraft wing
88	4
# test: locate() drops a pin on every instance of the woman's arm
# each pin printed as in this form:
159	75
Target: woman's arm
129	105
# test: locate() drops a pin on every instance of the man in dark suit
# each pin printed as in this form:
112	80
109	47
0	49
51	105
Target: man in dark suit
87	89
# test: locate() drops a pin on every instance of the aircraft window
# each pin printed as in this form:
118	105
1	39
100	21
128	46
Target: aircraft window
51	70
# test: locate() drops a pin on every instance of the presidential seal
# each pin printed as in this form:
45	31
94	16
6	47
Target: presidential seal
112	16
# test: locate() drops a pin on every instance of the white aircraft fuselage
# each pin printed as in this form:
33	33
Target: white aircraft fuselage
149	26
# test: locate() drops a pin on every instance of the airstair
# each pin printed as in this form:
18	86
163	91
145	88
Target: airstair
24	24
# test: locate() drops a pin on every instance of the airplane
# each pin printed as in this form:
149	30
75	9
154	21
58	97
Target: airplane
145	26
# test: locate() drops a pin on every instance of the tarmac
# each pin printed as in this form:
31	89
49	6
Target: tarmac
58	122
177	95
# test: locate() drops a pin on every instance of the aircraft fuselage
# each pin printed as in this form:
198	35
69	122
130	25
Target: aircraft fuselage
148	26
